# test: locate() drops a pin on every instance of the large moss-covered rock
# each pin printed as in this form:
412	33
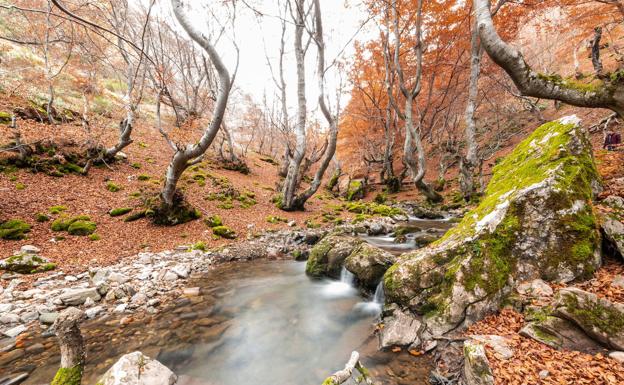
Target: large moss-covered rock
535	221
327	257
612	224
368	264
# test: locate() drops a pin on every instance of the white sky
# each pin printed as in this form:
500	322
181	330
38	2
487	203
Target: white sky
255	35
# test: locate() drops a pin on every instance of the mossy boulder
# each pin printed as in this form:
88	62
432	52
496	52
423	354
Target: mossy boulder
355	190
613	226
26	263
368	264
534	221
213	221
14	229
224	232
64	222
328	256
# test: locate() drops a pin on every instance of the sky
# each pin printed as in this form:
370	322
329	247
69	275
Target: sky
259	37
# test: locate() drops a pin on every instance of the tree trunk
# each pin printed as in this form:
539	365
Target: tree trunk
71	345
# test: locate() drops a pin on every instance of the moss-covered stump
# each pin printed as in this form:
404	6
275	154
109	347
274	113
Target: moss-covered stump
327	257
599	318
535	221
368	264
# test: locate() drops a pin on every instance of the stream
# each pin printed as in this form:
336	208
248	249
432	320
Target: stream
260	322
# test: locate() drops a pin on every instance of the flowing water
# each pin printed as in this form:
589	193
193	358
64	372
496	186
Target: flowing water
255	323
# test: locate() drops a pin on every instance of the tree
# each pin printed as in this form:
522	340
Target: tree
185	155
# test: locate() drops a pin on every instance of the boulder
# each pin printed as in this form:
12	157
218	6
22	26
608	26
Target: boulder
599	318
138	369
612	226
399	328
559	334
535	221
75	297
368	264
327	257
26	263
477	369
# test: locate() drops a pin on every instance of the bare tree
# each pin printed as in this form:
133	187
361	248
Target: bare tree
186	155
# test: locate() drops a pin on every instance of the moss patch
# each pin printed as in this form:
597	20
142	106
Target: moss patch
224	232
119	211
68	376
14	229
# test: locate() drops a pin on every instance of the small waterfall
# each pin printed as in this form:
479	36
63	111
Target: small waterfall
380	296
347	277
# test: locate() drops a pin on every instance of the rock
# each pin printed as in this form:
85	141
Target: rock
618	281
120	308
400	329
168	276
368	264
612	226
618	356
118	277
101	275
26	263
327	257
48	318
89	301
521	231
29	249
121	156
74	297
535	288
599	318
6	307
499	344
9	318
376	228
543	374
35	349
138	369
11	356
14	379
477	369
191	291
181	270
292	223
138	299
29	316
16	331
558	334
93	312
70	278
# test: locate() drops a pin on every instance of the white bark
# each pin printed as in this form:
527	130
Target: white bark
185	154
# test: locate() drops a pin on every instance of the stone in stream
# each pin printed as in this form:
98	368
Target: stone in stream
327	257
368	264
400	328
534	221
14	379
138	369
11	356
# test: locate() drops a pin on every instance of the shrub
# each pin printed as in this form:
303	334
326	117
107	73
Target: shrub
119	211
14	229
81	227
213	221
224	232
112	187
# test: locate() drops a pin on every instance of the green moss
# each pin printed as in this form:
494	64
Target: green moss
112	187
606	319
81	227
95	237
14	229
355	190
275	219
199	246
57	209
310	224
20	186
68	376
143	177
135	165
316	266
119	211
213	221
224	232
5	117
40	217
595	86
62	223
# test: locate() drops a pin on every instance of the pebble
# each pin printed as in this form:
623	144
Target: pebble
48	318
120	308
9	318
93	312
543	374
191	291
70	278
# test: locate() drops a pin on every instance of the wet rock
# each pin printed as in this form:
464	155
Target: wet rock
35	349
327	257
519	232
601	319
138	369
16	331
74	297
477	369
11	356
368	264
400	329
